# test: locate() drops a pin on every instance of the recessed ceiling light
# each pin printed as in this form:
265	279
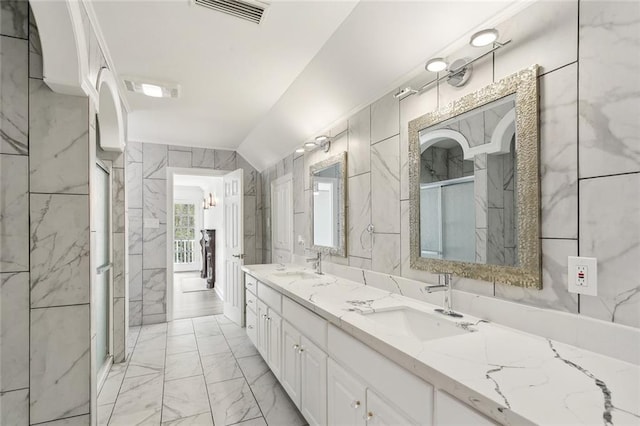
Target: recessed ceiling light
484	37
152	90
436	65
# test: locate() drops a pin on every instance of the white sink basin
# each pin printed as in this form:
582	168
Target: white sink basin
413	323
297	275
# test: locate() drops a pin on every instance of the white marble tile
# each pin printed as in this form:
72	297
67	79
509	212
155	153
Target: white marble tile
139	401
14	208
224	160
146	362
385	256
135	277
134	185
179	327
250	175
119	279
154	246
14	18
60	362
154	195
203	419
359	215
84	420
359	262
59	249
385	185
359	157
154	289
259	421
14	330
184	397
301	229
154	161
181	343
14	99
614	242
135	231
385	118
104	414
241	346
134	152
232	402
232	330
559	152
220	367
181	365
179	159
58	137
206	327
299	205
118	195
551	45
608	88
249	210
119	329
203	158
109	392
19	402
210	345
135	312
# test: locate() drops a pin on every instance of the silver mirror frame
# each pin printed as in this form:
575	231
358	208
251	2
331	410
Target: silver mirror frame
341	160
524	85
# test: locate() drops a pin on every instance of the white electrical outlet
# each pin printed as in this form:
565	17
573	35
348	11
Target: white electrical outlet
583	275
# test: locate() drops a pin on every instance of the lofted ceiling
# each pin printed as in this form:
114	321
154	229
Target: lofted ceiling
264	89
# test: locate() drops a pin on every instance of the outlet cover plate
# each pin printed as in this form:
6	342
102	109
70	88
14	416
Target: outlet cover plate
583	275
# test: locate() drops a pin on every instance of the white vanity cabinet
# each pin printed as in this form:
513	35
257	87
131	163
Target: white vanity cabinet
452	412
269	339
346	397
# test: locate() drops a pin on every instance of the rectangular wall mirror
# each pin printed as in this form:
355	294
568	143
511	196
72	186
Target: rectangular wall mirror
474	185
328	205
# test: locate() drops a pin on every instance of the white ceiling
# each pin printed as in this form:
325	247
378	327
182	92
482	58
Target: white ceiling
264	89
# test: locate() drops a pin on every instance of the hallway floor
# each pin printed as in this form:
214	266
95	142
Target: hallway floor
196	371
191	298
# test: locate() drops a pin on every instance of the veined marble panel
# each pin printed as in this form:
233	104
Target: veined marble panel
385	186
385	256
610	231
249	215
60	362
119	254
232	401
250	253
301	228
184	397
154	289
179	148
203	158
385	118
135	277
119	329
609	87
118	195
241	346
135	313
154	195
14	405
111	387
359	156
154	161
139	401
135	231
35	49
224	160
134	185
14	331
181	343
14	103
299	205
559	153
14	18
179	159
58	138
134	152
154	254
359	215
250	175
59	249
186	364
14	208
148	361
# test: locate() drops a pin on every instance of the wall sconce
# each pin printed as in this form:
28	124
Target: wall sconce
211	202
458	73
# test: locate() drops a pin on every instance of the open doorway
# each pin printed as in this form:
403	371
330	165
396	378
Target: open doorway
196	247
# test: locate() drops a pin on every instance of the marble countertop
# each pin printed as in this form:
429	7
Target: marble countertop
511	376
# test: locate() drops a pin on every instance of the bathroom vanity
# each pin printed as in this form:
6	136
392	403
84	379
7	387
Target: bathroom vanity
348	353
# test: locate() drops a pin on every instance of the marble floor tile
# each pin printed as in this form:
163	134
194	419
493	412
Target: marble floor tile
178	327
182	343
220	367
209	345
149	340
179	366
207	329
104	414
111	386
232	330
232	402
275	404
139	401
203	419
242	346
253	367
184	398
259	421
146	362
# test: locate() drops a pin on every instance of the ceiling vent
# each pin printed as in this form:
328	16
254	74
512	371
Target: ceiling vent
248	10
155	89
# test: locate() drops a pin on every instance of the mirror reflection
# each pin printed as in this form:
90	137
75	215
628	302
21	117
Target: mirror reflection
328	205
468	186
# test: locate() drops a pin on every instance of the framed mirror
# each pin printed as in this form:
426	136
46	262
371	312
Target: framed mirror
474	185
328	181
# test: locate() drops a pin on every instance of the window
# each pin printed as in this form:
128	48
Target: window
184	233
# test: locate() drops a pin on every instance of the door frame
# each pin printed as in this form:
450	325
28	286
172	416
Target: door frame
288	178
171	172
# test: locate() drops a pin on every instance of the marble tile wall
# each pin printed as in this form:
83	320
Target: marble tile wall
587	123
146	181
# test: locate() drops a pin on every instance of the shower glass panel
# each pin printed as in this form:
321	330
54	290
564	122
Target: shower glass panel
103	262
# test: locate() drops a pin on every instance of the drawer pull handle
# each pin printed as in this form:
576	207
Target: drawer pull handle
300	350
250	327
295	347
250	284
369	416
355	404
249	301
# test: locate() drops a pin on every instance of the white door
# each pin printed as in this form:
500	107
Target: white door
234	247
263	330
345	397
282	219
313	389
380	413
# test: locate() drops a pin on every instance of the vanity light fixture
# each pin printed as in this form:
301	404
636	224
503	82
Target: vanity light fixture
436	65
300	150
211	202
405	92
484	37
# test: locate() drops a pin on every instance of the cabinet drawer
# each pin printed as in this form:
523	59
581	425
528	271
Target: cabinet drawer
251	301
250	283
272	298
451	412
309	324
402	388
252	328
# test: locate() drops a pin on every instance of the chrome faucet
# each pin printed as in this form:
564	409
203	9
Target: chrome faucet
317	262
446	287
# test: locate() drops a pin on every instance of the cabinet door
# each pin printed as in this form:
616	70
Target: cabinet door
345	397
290	374
314	383
263	333
380	413
275	343
252	330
